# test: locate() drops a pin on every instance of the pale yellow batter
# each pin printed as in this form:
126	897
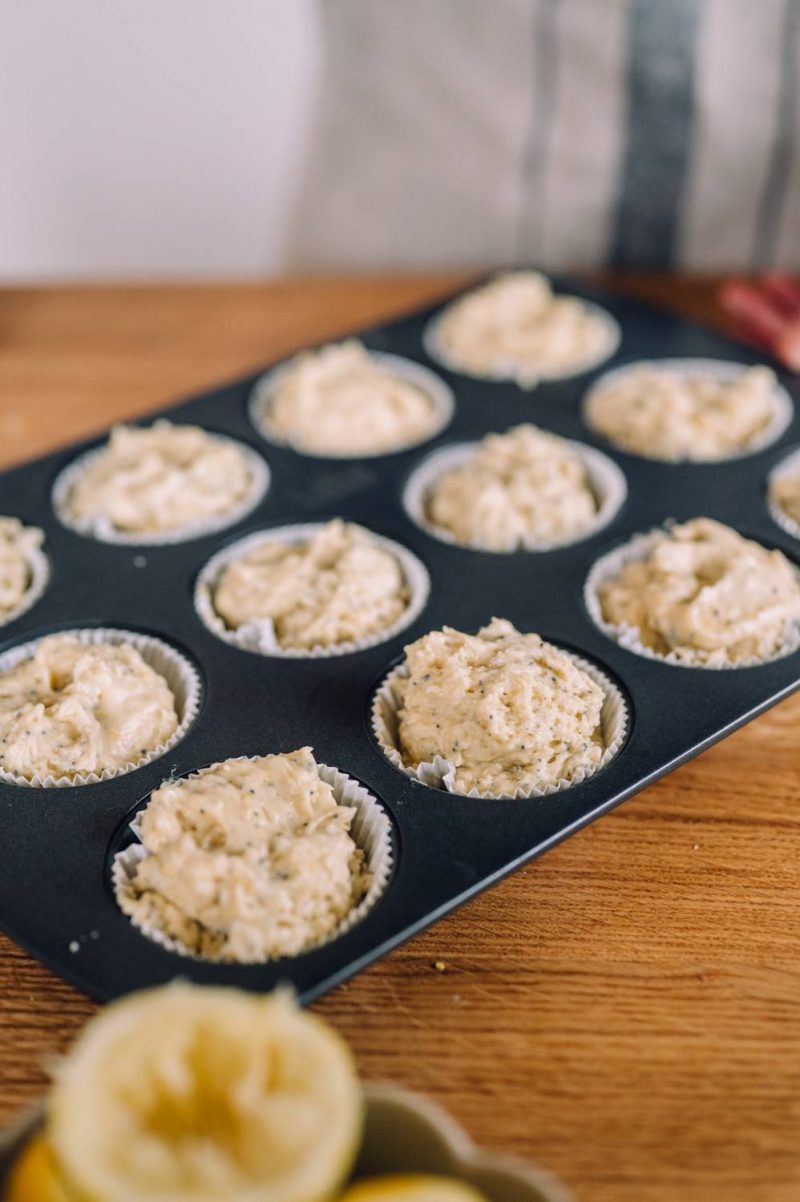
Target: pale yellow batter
785	492
706	595
17	544
159	478
509	711
518	489
246	860
673	416
336	587
74	708
341	401
515	327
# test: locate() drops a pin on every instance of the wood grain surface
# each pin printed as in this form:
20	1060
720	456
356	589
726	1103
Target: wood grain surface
625	1011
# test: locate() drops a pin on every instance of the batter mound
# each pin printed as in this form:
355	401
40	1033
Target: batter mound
246	861
519	488
785	492
665	415
509	711
341	401
17	543
515	327
76	708
706	595
338	586
159	478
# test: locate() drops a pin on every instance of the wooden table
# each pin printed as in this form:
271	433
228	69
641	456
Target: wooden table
625	1011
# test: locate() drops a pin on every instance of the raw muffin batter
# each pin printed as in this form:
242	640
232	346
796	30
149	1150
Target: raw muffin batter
514	326
707	595
156	479
17	542
74	708
246	860
519	488
665	415
785	492
341	401
508	710
338	586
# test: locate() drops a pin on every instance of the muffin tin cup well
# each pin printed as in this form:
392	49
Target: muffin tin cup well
439	393
181	676
521	376
38	579
371	832
103	530
789	466
439	773
606	480
259	636
638	548
718	369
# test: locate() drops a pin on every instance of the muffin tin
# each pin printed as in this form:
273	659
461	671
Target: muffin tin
55	894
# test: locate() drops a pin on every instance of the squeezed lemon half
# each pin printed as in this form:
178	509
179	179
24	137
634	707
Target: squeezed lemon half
34	1177
411	1188
190	1094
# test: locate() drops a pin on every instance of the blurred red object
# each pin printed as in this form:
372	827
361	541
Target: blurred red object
766	313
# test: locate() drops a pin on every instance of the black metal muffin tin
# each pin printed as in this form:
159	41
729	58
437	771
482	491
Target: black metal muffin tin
55	896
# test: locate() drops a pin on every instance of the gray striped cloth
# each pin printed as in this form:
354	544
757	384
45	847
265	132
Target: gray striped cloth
566	133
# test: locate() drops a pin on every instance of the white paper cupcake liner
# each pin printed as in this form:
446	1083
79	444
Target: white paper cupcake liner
514	372
39	577
102	529
259	636
439	773
371	831
426	381
610	565
606	480
718	369
790	466
181	676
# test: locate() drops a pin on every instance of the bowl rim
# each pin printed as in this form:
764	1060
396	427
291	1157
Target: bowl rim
462	1155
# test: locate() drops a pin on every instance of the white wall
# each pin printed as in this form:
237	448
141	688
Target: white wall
150	137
